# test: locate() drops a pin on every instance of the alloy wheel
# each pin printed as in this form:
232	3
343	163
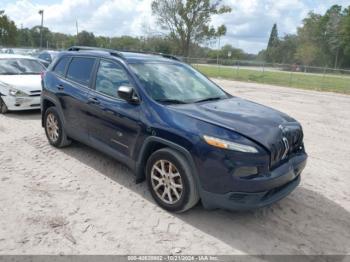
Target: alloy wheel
166	182
52	127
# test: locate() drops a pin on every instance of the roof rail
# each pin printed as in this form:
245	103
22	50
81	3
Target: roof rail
119	53
89	48
154	53
170	56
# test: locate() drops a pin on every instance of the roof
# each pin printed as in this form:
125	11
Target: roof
49	51
14	56
130	57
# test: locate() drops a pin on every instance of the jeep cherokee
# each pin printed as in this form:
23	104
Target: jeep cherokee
173	127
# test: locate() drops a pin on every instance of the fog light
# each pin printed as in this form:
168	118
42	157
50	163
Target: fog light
19	100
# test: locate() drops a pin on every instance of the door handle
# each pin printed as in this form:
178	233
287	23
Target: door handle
60	87
93	100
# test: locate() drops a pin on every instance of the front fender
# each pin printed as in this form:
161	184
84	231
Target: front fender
152	140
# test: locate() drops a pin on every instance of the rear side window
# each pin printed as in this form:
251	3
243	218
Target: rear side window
61	66
80	69
45	56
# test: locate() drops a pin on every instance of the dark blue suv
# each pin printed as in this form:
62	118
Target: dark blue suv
173	127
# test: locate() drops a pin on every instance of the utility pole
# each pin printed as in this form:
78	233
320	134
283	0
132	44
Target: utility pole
76	24
41	12
217	55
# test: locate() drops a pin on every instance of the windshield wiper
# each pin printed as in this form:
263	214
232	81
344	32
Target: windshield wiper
171	101
209	99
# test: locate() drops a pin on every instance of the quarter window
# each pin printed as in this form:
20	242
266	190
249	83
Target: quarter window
45	56
80	69
110	76
61	66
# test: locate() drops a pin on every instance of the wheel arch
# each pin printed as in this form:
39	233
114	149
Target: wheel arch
46	103
152	144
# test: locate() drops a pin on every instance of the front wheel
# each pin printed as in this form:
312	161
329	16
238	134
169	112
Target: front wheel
54	129
170	180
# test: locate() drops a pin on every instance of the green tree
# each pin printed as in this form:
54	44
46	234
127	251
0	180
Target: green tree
332	31
24	38
102	41
236	53
311	36
158	44
61	41
272	51
126	43
188	21
306	53
345	32
8	30
86	38
287	48
35	36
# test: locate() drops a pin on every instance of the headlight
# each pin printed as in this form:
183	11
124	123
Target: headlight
15	92
220	143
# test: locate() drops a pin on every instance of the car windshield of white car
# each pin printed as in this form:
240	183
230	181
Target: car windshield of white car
20	67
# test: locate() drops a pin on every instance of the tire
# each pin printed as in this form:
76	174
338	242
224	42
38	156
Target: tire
3	107
159	181
59	138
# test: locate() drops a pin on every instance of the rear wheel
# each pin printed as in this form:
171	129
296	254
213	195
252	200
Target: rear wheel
3	107
54	129
170	180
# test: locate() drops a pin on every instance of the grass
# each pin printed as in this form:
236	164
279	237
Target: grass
307	81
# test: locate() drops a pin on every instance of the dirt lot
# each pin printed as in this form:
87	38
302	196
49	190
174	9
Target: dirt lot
78	201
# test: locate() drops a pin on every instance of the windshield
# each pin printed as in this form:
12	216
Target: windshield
176	83
16	66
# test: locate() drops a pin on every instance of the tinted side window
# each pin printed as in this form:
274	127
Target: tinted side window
61	65
80	69
45	56
110	76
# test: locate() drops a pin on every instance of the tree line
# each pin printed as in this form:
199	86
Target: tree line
322	40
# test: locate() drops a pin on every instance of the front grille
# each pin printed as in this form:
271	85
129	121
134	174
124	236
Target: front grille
35	93
294	136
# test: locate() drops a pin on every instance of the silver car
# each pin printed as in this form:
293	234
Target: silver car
20	82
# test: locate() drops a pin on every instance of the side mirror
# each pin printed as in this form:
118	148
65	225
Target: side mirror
127	93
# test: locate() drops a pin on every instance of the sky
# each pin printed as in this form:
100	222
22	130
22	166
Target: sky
248	25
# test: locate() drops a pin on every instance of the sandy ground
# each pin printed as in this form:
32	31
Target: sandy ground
78	201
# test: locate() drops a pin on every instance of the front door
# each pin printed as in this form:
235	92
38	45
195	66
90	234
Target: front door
114	123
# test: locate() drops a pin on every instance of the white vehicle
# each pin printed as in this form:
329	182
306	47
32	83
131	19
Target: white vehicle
20	82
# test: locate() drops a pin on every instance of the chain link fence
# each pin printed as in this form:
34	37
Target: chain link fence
298	76
291	75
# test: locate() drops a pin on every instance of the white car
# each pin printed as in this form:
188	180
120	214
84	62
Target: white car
20	82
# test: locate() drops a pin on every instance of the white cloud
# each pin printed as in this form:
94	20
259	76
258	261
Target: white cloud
111	17
248	26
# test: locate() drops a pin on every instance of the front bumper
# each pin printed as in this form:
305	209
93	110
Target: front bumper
277	185
21	103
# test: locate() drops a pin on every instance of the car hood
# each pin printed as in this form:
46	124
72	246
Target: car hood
257	122
25	83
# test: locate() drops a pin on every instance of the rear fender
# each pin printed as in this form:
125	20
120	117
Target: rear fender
55	103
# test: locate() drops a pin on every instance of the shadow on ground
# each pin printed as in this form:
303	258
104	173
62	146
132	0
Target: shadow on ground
306	222
24	115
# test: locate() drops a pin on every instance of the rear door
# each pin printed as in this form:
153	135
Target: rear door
74	95
114	123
